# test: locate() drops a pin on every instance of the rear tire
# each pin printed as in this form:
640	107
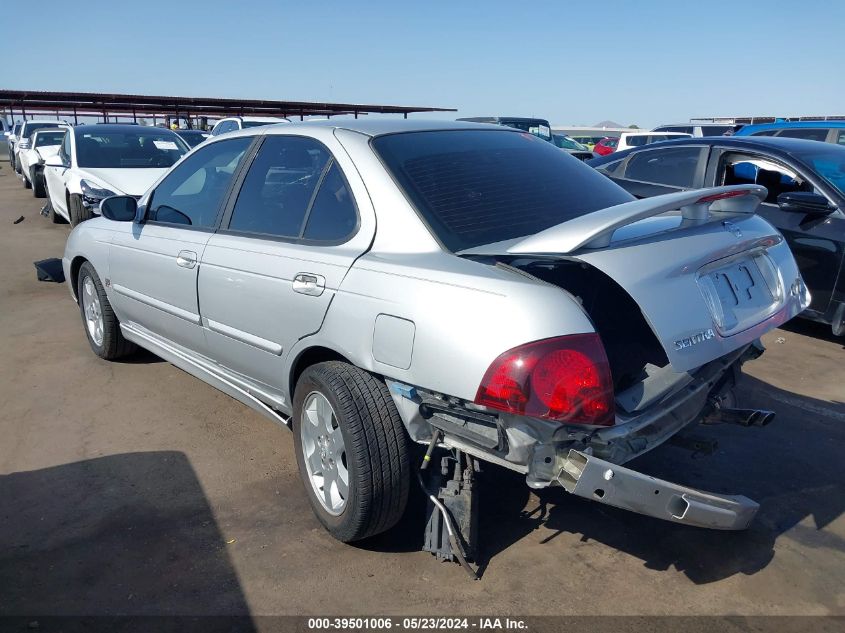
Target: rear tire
102	327
39	190
77	211
361	435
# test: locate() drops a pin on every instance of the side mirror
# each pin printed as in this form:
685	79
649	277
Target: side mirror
54	161
805	202
119	208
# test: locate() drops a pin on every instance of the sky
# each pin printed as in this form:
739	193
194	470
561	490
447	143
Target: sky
578	62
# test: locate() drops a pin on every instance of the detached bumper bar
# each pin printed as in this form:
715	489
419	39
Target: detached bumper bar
601	481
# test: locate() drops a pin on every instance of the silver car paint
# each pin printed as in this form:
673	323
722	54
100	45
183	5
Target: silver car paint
247	327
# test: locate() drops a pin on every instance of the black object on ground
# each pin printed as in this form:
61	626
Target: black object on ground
18	221
50	270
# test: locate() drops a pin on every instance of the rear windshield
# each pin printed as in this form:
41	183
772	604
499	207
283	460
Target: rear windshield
477	187
136	148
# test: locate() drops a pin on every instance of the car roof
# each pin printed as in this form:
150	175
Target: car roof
118	127
51	121
782	125
761	143
379	127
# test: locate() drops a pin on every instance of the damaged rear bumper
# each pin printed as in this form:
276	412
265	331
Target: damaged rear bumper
603	482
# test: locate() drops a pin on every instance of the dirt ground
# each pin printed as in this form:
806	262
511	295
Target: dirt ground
134	488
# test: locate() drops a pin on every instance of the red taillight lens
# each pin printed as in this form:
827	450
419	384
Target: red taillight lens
565	379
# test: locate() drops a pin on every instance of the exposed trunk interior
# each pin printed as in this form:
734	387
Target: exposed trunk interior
630	344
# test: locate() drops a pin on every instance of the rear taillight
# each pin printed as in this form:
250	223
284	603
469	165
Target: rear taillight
566	379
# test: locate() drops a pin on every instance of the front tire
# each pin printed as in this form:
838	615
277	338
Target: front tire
77	211
39	189
101	325
27	183
351	449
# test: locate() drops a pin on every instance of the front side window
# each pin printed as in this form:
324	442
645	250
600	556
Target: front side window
739	169
135	148
674	166
191	194
474	187
279	186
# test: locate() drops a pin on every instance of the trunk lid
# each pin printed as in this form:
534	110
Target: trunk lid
708	279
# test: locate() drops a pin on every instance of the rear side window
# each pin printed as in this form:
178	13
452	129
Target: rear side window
765	133
293	190
476	187
674	166
332	216
840	139
637	140
811	134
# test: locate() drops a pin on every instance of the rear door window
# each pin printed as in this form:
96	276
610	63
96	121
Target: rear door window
637	140
477	187
811	134
673	166
293	190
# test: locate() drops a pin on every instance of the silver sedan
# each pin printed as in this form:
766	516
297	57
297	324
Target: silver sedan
468	287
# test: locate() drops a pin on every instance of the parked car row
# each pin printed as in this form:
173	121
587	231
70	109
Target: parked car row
471	287
805	184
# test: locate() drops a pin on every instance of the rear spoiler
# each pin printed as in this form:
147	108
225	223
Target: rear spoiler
595	230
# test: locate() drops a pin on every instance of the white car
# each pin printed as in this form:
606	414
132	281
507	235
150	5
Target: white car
637	139
40	146
98	161
22	138
230	124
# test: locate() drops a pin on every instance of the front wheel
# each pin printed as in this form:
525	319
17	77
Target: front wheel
101	325
77	211
351	449
39	189
27	183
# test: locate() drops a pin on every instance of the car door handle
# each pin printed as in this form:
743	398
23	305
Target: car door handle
186	259
309	284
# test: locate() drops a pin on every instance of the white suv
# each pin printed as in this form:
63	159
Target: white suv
22	140
230	124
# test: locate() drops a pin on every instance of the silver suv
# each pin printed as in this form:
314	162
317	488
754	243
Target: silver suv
466	287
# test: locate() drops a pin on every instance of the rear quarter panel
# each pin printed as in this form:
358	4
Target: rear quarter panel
464	315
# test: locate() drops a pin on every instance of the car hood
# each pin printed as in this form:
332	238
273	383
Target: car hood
45	151
131	181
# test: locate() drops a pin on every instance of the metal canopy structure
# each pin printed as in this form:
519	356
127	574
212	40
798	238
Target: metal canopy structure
76	104
750	120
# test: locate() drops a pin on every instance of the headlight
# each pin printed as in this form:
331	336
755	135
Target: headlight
92	195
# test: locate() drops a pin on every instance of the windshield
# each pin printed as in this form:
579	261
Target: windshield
31	127
477	187
830	165
127	149
49	138
566	142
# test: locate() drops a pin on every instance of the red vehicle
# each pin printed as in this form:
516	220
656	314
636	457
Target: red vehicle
606	146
